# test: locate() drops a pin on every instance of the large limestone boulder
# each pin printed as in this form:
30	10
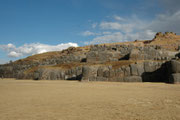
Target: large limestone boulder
171	54
92	56
135	54
103	56
36	76
89	73
175	66
127	71
151	66
137	69
103	71
175	78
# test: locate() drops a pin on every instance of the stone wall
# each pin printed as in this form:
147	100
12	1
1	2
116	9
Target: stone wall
150	64
128	52
174	72
50	73
148	71
15	70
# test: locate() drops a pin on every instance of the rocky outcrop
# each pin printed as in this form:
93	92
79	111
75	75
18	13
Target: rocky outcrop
141	61
174	72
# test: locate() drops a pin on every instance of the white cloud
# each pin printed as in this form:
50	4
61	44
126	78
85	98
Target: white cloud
171	6
94	25
121	29
117	36
120	37
110	25
106	33
166	22
88	33
14	54
33	48
118	18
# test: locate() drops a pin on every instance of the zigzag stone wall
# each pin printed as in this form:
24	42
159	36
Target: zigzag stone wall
149	64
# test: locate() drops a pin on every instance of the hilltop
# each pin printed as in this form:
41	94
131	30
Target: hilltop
169	41
135	61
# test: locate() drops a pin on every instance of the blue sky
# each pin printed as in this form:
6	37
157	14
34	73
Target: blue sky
34	26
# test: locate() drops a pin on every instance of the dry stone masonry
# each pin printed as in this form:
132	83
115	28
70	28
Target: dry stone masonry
108	62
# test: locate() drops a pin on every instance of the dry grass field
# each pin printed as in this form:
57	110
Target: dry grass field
72	100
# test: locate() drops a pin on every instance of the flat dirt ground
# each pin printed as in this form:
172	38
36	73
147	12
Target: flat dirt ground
72	100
